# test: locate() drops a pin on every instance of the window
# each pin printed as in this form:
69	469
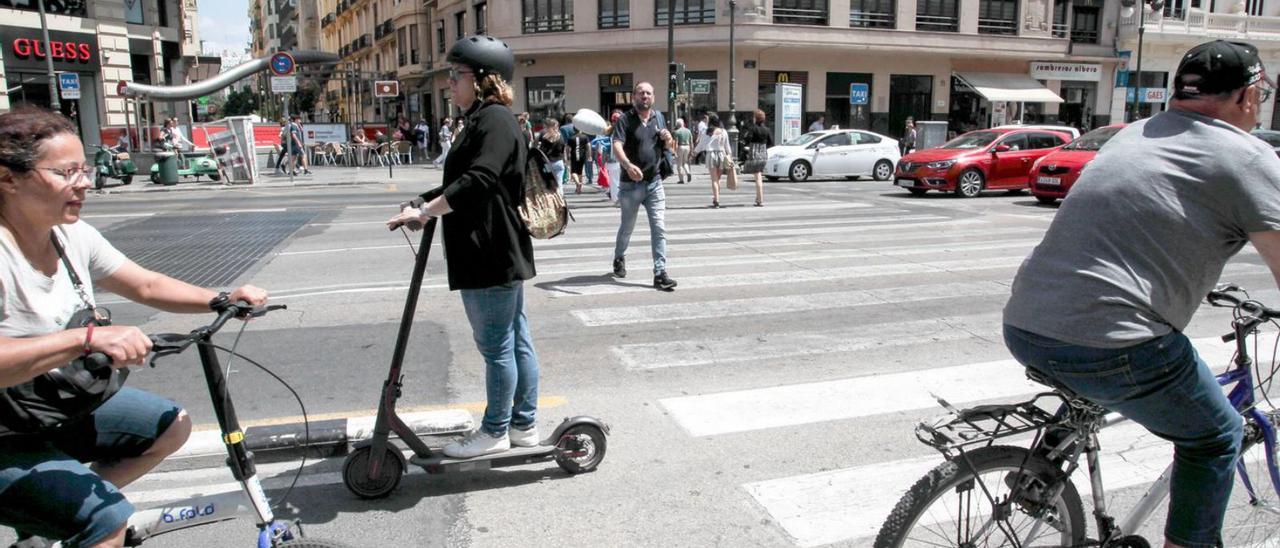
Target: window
271	30
482	17
547	16
800	12
76	9
1044	140
132	12
614	14
688	12
440	36
375	13
1084	25
413	44
403	46
938	15
460	24
861	138
544	98
838	140
998	17
874	14
702	102
1015	142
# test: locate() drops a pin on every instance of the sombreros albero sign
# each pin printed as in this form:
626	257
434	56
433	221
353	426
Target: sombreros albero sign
72	51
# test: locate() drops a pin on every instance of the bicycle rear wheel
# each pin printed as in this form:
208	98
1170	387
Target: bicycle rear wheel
1253	519
954	505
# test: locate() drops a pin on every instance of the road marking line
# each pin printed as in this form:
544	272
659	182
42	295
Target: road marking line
628	315
116	216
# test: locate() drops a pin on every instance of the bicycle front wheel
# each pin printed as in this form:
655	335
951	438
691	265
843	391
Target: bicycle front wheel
973	503
1253	515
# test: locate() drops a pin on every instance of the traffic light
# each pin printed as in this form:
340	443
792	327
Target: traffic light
675	78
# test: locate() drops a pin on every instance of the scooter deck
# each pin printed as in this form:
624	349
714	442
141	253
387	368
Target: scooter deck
438	463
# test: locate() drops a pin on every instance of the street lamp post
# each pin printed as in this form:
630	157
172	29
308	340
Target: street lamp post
48	59
1135	78
671	59
733	62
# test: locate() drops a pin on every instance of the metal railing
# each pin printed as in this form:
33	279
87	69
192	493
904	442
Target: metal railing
614	20
553	23
1196	22
383	30
795	16
1061	30
998	26
1085	36
686	16
873	20
328	19
938	23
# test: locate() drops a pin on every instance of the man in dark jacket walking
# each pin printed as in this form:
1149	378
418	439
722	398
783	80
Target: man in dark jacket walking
639	138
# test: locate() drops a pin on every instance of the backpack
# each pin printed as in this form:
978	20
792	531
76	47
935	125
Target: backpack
542	208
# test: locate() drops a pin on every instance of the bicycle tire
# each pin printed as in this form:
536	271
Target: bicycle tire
1248	522
912	523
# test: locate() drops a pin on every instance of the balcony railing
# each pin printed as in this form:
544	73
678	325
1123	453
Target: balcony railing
553	23
1201	24
1061	30
387	28
794	16
328	19
998	26
614	20
414	57
342	7
872	20
1085	36
402	58
686	16
364	41
344	50
938	23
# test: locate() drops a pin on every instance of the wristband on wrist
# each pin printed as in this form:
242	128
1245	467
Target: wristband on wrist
88	338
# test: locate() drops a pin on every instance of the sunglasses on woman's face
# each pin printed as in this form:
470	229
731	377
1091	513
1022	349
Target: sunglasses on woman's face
455	75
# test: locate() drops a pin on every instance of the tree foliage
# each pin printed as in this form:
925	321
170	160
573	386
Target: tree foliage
240	103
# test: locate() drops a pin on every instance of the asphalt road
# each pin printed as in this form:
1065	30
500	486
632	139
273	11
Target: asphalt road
768	401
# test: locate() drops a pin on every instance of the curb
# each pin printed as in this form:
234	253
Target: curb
331	437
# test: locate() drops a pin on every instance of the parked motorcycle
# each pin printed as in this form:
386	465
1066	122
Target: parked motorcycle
193	166
113	162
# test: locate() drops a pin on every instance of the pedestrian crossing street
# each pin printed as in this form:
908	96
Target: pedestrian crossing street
840	305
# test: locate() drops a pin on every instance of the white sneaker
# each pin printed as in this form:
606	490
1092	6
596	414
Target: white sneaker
476	444
523	438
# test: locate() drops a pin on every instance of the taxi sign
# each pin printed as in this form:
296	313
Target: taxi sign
69	83
386	88
282	64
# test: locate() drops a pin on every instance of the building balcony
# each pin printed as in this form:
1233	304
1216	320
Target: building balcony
1197	24
383	30
799	16
328	19
1007	27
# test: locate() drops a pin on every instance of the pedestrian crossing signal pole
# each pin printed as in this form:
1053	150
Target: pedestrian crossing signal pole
671	64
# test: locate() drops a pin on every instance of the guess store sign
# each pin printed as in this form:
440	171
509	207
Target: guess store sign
72	51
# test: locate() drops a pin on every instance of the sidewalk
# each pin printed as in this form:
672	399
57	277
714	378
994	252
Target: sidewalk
320	176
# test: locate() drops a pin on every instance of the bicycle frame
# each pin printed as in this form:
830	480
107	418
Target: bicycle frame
250	502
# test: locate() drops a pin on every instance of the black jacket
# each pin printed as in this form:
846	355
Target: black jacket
486	244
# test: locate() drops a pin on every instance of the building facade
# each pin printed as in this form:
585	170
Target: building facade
1171	31
376	40
105	42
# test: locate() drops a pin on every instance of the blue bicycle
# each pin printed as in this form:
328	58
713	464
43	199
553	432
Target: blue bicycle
1003	495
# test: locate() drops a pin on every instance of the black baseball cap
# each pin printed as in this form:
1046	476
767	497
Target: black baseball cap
1218	67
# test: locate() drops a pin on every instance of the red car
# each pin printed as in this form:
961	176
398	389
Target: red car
1052	176
977	161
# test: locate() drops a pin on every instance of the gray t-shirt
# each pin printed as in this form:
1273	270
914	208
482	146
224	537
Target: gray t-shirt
33	304
1146	231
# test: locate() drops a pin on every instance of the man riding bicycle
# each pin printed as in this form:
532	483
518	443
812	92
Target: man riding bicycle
1099	306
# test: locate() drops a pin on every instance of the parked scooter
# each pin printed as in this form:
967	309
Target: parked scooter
195	166
113	162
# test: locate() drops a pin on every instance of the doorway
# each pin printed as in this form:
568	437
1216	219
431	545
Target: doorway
909	96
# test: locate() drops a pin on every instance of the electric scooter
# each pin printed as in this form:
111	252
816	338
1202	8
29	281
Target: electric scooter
375	466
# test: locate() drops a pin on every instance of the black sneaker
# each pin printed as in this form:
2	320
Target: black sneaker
664	282
620	268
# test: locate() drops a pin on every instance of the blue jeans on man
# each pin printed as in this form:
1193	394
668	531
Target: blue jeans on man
631	195
501	332
1163	385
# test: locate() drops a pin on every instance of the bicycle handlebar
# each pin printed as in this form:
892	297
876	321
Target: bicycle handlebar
165	344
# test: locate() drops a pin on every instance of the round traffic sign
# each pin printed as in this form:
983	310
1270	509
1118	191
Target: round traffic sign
120	87
282	64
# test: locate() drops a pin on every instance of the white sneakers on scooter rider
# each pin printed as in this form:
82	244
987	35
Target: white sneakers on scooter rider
476	444
523	438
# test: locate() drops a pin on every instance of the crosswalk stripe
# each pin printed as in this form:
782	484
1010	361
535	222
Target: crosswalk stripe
740	233
739	224
628	315
678	208
756	347
851	504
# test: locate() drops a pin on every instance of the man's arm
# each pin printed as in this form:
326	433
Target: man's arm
1268	245
629	168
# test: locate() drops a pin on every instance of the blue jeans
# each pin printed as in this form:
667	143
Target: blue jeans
1163	385
501	332
558	171
49	490
654	198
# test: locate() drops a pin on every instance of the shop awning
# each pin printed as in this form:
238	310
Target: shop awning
1018	88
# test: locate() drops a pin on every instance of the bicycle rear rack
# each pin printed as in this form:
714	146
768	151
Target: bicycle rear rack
982	425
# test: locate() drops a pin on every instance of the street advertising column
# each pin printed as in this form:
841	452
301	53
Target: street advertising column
236	163
788	106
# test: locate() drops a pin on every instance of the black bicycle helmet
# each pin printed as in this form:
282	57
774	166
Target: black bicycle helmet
485	55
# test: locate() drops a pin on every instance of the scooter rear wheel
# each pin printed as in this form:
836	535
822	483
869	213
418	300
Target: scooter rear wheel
355	473
580	449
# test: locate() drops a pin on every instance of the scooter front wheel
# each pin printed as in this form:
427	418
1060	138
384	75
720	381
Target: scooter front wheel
355	473
580	449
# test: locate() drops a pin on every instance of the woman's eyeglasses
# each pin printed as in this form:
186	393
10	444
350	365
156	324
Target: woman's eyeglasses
73	174
455	75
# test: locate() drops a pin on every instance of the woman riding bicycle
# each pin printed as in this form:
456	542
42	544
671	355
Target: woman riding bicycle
49	491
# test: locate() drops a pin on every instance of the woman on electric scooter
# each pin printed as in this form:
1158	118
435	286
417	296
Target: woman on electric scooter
48	489
489	250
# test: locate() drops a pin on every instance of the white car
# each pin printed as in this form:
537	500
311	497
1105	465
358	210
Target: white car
848	153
